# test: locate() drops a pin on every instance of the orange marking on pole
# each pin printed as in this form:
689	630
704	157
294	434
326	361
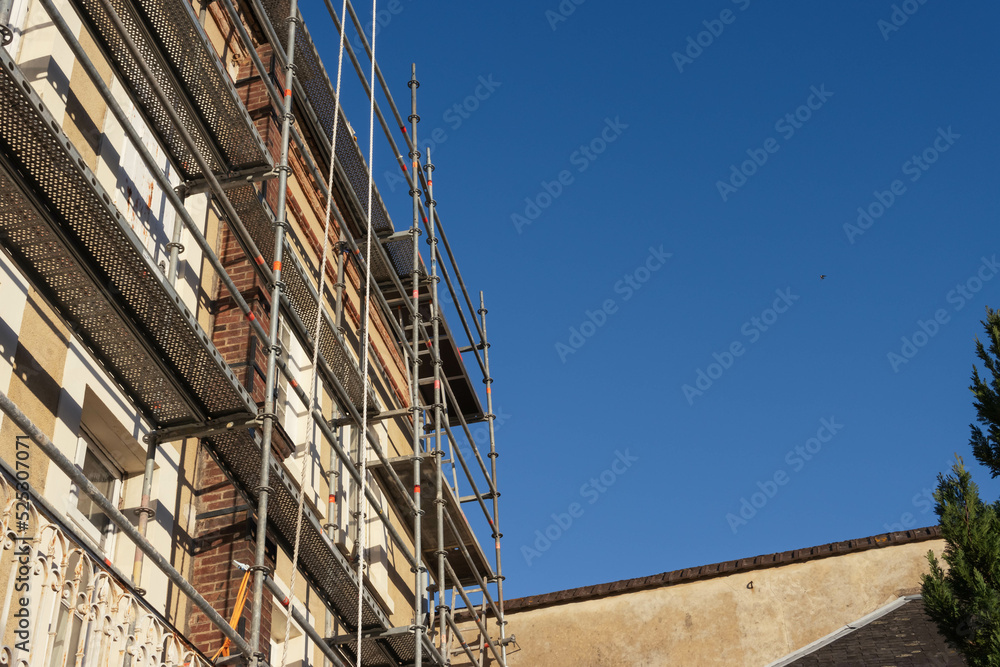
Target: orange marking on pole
295	383
288	93
488	390
333	498
284	603
276	266
259	259
437	383
251	317
416	488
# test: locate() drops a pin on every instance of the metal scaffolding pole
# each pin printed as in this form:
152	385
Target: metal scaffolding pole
120	520
6	34
418	591
474	615
352	410
488	380
199	238
438	409
150	163
270	383
145	509
411	143
414	180
307	627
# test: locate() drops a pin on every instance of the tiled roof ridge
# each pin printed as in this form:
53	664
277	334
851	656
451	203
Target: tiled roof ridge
721	569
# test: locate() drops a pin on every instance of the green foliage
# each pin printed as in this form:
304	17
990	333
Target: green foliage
986	445
965	601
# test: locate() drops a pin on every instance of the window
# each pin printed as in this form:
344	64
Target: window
107	477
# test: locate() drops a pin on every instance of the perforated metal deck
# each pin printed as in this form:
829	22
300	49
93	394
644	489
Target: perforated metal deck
175	47
61	228
320	99
259	222
392	648
404	468
310	72
326	568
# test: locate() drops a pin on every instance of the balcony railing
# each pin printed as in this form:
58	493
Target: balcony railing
78	612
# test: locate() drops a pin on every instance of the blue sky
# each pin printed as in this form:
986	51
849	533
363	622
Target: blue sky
641	139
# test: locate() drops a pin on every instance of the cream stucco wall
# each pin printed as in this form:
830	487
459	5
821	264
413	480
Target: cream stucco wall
718	621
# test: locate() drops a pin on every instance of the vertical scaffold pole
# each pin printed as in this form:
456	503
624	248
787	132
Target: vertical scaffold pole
341	284
418	590
270	416
439	501
6	34
145	509
488	381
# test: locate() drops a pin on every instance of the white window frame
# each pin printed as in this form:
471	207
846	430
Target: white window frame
105	540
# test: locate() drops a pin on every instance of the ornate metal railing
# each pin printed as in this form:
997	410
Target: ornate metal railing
77	612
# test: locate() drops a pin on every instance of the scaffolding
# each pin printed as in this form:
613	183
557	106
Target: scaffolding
63	232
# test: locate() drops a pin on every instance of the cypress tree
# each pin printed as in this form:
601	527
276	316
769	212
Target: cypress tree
964	602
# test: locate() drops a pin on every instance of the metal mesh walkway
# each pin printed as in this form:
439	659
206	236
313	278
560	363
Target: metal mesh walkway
176	48
320	560
259	222
388	649
466	401
311	74
62	229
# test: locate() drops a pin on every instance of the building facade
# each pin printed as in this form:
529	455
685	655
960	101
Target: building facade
851	604
229	385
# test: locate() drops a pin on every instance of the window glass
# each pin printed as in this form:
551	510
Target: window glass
100	473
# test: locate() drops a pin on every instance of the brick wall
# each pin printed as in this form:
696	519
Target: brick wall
218	541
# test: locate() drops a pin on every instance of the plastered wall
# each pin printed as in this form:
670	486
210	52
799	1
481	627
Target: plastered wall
718	621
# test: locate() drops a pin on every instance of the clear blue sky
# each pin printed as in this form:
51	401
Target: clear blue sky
672	130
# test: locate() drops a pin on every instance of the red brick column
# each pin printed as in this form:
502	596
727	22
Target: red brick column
220	540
